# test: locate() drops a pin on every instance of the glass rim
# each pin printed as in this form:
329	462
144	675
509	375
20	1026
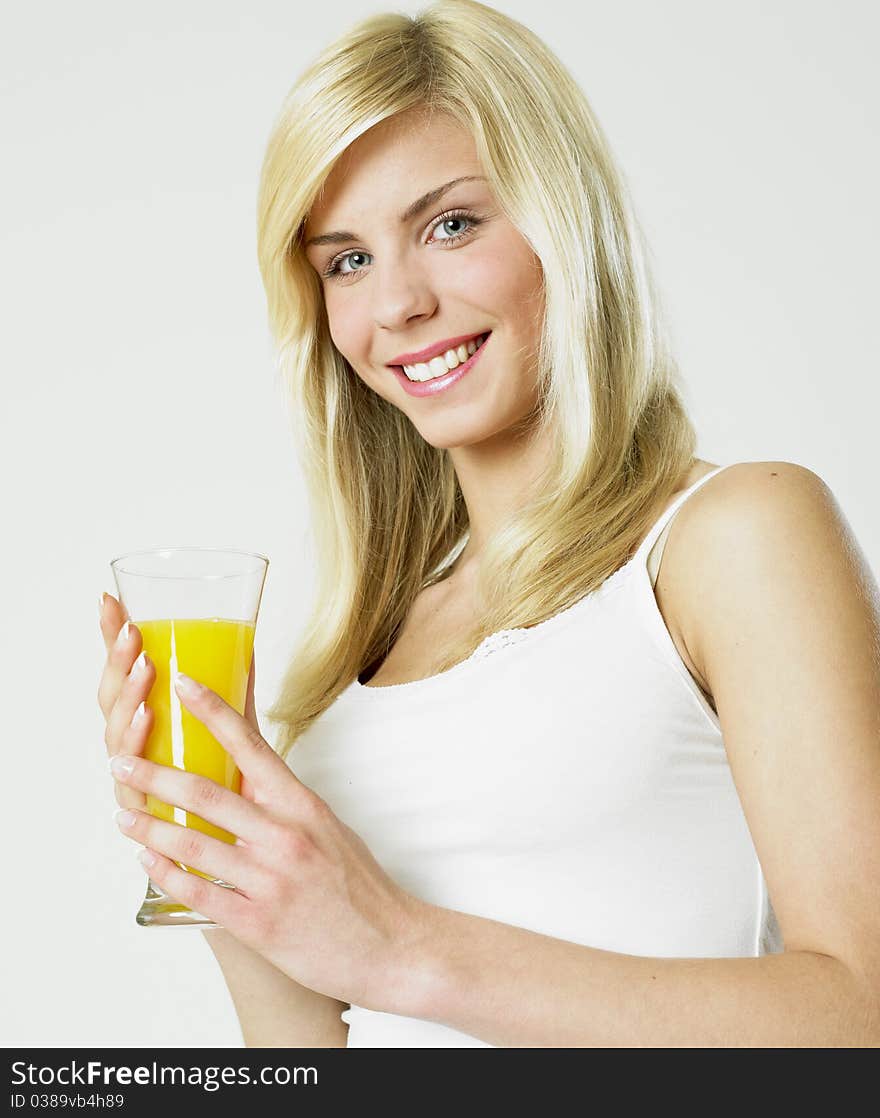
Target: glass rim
154	551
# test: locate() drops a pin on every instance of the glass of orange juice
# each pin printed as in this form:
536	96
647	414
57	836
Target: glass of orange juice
196	608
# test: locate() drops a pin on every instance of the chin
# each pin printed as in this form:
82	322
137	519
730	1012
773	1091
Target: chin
456	436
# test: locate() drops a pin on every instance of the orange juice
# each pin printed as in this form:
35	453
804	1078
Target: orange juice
213	651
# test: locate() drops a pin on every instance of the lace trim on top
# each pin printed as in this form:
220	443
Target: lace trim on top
495	641
504	638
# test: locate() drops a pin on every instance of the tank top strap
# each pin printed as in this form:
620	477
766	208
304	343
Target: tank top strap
650	550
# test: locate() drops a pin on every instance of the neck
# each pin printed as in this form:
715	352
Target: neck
495	478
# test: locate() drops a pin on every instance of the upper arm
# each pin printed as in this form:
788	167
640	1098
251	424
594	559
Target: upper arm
783	620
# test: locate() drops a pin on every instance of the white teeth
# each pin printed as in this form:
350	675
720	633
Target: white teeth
438	365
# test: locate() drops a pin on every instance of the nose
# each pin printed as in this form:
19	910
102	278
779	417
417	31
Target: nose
400	295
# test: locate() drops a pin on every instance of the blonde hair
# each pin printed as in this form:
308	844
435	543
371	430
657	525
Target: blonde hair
387	511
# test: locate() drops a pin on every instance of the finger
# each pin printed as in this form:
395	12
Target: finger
119	697
203	797
124	645
247	747
111	616
134	741
125	733
189	847
226	907
135	689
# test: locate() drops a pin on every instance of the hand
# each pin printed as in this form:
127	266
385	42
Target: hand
309	896
121	691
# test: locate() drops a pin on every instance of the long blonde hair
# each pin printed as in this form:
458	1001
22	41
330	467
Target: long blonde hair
387	512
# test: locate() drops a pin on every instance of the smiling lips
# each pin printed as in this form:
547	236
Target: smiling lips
443	380
422	356
444	363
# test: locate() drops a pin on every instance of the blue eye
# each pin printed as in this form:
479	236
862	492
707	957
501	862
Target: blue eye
473	221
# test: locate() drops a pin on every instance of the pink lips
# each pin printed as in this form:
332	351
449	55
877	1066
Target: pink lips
424	355
439	384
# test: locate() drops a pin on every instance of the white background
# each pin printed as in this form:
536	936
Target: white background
142	403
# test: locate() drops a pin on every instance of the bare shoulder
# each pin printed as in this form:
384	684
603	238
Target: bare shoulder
756	532
781	612
753	504
750	488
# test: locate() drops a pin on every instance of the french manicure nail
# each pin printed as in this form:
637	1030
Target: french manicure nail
123	636
188	686
121	765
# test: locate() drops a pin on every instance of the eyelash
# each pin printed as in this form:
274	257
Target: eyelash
332	269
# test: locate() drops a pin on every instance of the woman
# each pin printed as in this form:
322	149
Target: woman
537	789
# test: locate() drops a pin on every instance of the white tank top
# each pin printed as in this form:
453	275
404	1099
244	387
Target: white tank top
569	778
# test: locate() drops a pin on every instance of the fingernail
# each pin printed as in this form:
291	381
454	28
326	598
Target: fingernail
121	766
101	604
123	636
147	858
139	715
125	818
140	664
188	686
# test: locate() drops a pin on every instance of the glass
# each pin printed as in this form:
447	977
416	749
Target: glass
196	608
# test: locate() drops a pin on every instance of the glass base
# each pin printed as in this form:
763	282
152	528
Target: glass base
161	911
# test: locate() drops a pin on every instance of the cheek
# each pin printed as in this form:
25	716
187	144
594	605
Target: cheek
482	278
349	332
526	292
524	273
506	276
352	335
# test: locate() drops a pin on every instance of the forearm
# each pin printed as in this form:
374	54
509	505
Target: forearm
272	1009
515	988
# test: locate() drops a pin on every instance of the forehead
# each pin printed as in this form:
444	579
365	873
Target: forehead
391	164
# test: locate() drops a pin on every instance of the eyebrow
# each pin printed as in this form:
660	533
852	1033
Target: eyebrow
342	236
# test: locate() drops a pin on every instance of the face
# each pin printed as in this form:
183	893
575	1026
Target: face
395	283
